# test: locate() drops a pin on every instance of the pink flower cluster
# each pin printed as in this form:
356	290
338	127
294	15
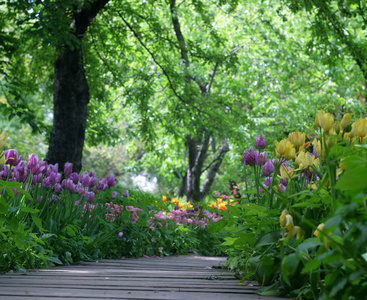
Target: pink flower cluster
197	218
116	210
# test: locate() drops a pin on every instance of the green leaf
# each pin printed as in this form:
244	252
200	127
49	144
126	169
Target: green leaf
311	265
37	221
217	226
268	238
28	209
229	241
289	266
353	179
54	260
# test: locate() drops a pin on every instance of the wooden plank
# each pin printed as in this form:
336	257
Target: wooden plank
8	293
180	277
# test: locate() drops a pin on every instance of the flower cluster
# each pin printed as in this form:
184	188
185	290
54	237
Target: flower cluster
35	171
195	217
286	222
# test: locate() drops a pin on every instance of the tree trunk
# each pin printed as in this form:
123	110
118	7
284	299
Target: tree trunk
71	93
71	97
197	151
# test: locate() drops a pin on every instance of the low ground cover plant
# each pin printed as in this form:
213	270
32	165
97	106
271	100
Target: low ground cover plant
301	228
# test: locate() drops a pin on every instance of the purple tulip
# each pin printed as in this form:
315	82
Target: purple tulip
260	143
282	188
52	168
268	168
90	196
58	188
71	186
102	184
111	180
93	180
126	194
113	195
74	177
52	178
33	162
85	179
261	158
268	181
249	157
68	169
120	234
11	157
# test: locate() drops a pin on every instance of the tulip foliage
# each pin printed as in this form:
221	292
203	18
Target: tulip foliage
301	226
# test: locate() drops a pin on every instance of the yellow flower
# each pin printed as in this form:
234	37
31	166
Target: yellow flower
318	229
289	222
297	138
326	121
189	205
180	205
285	173
325	238
285	149
164	199
305	160
317	144
222	206
282	218
213	204
295	231
361	128
2	140
2	158
344	123
319	115
312	186
175	201
219	200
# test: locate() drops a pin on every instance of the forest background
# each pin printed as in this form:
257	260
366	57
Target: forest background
174	90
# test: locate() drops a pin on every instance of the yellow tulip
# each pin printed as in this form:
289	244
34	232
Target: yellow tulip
317	144
297	138
285	173
2	140
283	219
303	160
318	229
344	123
361	128
2	158
319	115
326	122
289	225
295	231
285	149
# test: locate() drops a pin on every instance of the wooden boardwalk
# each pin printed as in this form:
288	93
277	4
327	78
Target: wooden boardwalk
175	277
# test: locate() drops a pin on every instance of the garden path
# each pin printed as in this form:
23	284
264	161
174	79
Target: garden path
175	277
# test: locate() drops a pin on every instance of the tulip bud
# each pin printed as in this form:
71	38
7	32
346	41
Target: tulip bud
344	123
326	121
260	143
318	229
282	218
337	127
319	115
268	168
